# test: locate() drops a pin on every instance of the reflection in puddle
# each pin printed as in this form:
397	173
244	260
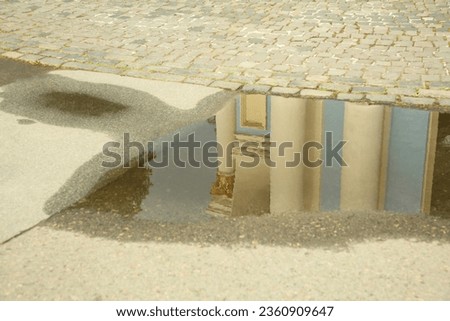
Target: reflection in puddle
386	164
123	196
181	194
441	179
169	194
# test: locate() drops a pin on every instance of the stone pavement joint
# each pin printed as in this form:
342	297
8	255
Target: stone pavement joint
335	48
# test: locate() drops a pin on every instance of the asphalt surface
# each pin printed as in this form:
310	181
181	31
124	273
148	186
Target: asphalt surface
56	124
48	264
104	247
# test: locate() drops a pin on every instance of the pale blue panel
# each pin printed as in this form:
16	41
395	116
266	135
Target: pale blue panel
330	185
406	163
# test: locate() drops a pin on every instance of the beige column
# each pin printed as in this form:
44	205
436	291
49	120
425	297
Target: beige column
287	125
363	131
311	174
251	187
225	129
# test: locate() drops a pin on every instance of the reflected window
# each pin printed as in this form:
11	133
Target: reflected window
252	114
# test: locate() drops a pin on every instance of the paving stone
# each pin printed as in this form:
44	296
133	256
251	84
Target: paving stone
440	84
226	85
78	65
198	81
381	98
417	101
256	89
107	70
166	77
213	75
402	91
51	62
316	93
31	58
444	102
336	87
280	82
398	47
367	89
351	97
12	54
30	50
284	91
135	73
304	84
434	93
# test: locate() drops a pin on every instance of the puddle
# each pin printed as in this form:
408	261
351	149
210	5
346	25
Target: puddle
440	203
254	179
181	194
80	104
173	204
123	196
169	194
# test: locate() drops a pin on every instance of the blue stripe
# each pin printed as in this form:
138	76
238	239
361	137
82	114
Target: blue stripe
330	185
406	163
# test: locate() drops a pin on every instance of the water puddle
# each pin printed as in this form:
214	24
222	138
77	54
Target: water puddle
440	203
181	194
265	168
167	194
223	204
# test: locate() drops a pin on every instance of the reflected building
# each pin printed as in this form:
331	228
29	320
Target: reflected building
322	155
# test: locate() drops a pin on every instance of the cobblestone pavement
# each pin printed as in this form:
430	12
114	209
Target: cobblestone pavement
391	52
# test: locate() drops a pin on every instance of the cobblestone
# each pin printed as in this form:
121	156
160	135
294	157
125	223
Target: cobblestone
386	99
418	101
51	62
31	58
434	93
367	89
399	47
256	89
283	91
335	87
350	97
12	54
316	93
78	65
226	85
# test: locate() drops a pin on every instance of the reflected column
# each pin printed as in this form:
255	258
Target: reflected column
288	134
360	179
225	130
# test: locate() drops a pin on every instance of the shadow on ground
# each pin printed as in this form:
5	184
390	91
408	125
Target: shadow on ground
12	71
